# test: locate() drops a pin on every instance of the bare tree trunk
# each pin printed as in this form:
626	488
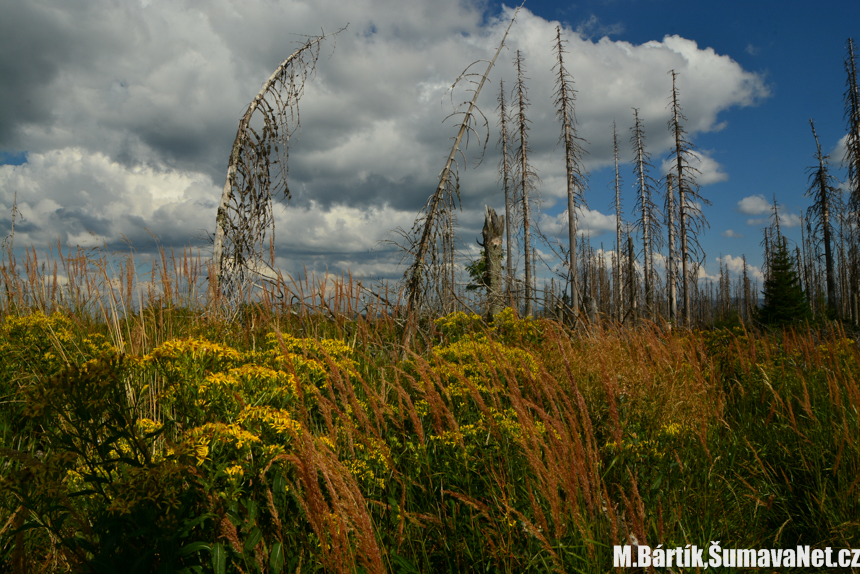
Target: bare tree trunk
571	264
648	224
506	178
670	267
494	228
852	162
619	288
631	278
823	191
591	309
852	142
690	217
843	268
565	97
526	175
682	232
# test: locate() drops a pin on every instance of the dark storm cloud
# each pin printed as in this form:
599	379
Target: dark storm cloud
77	220
33	47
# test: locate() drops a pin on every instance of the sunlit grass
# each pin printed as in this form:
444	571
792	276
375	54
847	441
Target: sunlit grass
293	434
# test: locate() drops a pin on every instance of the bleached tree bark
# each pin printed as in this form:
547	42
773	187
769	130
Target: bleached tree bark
565	97
526	176
505	168
690	217
670	264
494	228
824	194
648	222
244	218
619	273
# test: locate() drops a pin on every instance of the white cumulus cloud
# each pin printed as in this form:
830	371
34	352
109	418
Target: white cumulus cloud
708	170
128	111
735	266
754	205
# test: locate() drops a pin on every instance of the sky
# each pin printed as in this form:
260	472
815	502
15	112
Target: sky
117	118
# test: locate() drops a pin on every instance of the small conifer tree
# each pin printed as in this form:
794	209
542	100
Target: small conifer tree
784	300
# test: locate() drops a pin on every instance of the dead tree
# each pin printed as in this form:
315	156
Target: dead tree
244	221
852	121
494	228
775	231
671	271
852	161
690	217
525	175
648	224
426	226
619	272
631	280
565	97
824	197
505	169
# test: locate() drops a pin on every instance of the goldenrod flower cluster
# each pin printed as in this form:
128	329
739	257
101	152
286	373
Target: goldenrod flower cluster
483	363
506	326
44	345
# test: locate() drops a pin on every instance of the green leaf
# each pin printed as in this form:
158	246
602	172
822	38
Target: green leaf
219	558
276	558
280	484
193	547
404	566
253	539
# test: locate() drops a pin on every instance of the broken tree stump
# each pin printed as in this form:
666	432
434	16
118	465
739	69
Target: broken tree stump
494	229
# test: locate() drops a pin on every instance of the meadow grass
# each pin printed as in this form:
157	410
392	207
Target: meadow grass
151	427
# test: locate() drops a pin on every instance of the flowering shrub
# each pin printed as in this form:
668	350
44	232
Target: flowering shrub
43	345
185	441
481	364
509	447
506	327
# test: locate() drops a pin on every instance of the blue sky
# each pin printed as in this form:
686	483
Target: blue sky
797	48
116	119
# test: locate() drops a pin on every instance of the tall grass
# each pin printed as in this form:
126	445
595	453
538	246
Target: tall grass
148	425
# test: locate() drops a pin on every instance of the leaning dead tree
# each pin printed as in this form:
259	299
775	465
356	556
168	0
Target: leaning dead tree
257	172
427	225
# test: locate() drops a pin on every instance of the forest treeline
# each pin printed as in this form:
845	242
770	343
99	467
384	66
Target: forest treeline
652	272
